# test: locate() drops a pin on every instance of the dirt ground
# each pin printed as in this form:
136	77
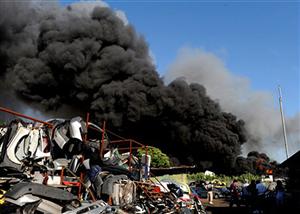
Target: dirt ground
222	202
221	206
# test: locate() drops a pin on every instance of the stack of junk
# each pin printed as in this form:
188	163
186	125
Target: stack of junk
72	166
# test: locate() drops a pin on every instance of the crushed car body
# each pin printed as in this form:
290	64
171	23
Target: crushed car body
71	166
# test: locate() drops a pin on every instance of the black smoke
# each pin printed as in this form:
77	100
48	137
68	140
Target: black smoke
100	65
256	163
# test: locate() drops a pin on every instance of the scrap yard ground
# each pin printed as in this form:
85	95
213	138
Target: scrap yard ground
221	206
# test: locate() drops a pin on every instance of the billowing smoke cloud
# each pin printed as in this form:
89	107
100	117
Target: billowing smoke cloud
235	95
256	163
96	62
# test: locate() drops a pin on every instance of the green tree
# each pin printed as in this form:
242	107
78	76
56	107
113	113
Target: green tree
248	176
200	176
158	158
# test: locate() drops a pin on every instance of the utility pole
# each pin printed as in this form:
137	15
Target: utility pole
283	123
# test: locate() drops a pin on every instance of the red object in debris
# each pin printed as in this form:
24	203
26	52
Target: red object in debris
71	183
156	189
46	178
25	116
269	171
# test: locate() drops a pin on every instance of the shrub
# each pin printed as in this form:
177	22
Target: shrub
158	158
200	176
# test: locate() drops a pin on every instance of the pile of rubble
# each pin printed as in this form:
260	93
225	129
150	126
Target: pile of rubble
71	166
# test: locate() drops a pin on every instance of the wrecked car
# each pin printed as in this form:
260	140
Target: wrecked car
71	166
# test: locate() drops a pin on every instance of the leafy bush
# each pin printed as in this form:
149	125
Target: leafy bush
158	158
248	176
200	176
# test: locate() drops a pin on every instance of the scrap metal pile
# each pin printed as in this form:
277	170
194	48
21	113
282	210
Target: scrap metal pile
71	166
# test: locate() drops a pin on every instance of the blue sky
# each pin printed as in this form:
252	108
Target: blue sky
259	41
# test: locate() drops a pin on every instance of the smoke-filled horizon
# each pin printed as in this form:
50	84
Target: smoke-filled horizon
234	93
89	59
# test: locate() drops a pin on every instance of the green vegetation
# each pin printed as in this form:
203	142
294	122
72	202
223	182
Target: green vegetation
223	178
158	158
248	176
200	176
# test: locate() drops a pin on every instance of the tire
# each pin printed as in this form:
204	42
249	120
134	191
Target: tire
216	196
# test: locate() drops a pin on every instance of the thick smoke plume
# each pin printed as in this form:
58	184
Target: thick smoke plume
256	108
256	163
93	60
